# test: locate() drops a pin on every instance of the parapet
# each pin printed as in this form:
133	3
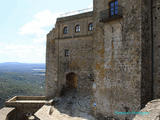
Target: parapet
21	107
19	101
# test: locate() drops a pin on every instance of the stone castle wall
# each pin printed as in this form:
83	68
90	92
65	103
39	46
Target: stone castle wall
51	65
146	53
123	65
118	63
121	56
156	45
79	61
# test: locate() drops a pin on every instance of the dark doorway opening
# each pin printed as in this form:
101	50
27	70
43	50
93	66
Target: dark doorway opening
71	80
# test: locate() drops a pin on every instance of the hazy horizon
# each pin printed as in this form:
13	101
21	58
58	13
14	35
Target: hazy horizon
21	63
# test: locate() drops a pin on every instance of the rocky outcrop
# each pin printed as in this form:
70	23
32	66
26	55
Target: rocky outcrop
71	106
150	112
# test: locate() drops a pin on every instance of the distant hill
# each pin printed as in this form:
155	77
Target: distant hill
20	67
21	79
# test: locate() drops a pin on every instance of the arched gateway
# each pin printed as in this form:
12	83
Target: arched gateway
71	80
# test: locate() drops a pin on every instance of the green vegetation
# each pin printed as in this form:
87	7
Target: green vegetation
23	81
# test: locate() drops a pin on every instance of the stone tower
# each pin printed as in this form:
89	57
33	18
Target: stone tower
126	50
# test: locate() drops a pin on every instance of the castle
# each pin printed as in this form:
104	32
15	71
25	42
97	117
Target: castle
111	54
112	51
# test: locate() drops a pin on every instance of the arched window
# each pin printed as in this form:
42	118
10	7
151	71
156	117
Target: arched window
77	28
65	30
114	8
90	27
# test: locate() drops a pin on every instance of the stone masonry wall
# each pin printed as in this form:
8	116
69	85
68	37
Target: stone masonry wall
51	64
79	61
146	62
120	56
156	45
117	66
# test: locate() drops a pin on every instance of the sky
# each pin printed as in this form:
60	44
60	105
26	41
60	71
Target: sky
25	23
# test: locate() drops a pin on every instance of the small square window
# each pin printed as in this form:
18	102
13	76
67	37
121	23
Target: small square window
66	53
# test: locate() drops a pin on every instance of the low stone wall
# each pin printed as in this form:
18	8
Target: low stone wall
26	105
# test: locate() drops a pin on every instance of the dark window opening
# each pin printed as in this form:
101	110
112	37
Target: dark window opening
114	8
65	30
66	53
77	28
90	27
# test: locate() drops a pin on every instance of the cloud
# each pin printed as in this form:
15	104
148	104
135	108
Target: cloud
40	21
39	26
33	38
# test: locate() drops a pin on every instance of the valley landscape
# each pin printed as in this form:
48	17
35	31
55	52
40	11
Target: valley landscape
21	79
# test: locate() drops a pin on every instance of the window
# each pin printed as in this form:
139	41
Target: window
66	53
65	30
90	27
77	28
114	8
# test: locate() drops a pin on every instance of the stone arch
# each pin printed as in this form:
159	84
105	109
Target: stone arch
71	80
